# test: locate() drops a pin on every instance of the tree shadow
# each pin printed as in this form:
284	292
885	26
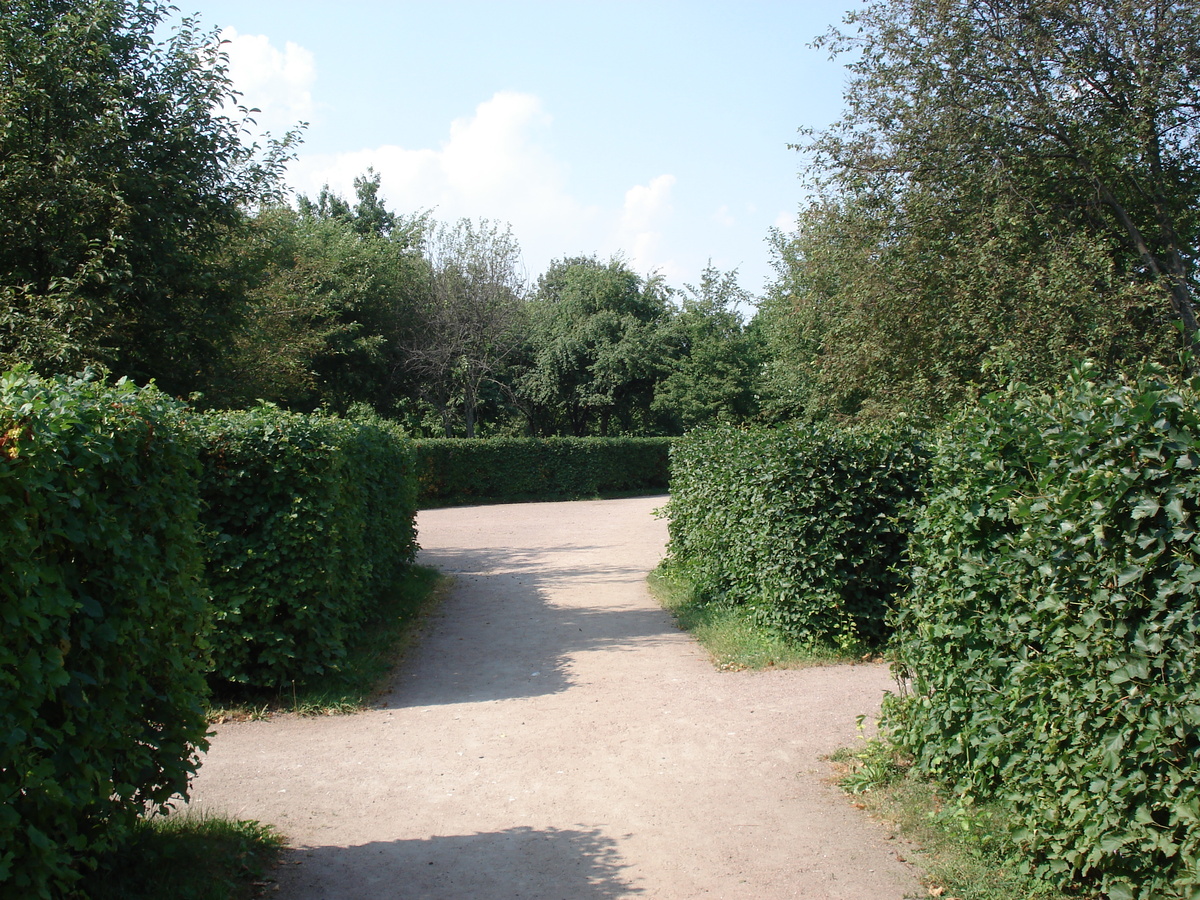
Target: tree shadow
533	864
501	635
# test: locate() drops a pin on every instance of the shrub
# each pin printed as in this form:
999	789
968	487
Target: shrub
306	519
1051	633
805	526
102	655
471	471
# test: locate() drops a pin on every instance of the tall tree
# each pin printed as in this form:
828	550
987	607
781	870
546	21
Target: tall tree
1084	110
597	348
368	214
469	324
330	312
120	180
713	370
1014	185
914	304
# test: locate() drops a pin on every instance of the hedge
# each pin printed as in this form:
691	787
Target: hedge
455	471
306	520
103	649
803	525
1051	636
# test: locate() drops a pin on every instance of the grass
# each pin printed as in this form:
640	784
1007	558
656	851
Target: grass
729	633
962	852
185	856
363	674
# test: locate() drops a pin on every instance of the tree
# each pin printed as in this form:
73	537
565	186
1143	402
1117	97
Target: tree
714	360
1011	187
469	323
1084	110
329	314
913	305
120	181
597	349
368	215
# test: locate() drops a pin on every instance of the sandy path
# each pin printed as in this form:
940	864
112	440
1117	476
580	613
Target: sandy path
556	736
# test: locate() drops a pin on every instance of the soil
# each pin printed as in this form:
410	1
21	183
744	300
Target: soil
555	735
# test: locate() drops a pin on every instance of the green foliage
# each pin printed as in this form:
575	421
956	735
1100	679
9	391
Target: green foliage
804	526
306	521
596	349
1051	633
121	178
961	850
729	632
186	856
1013	187
472	321
910	307
711	375
391	626
104	621
330	309
462	471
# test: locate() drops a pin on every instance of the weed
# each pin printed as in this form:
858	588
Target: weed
963	849
729	632
187	856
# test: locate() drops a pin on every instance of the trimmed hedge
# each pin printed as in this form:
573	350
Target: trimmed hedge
454	471
805	526
103	650
306	520
1051	637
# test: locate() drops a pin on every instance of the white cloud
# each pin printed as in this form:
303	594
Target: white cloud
496	164
724	217
640	235
277	82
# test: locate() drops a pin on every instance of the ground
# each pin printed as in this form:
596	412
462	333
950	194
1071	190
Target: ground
555	735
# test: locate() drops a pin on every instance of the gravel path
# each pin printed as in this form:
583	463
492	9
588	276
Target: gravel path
556	736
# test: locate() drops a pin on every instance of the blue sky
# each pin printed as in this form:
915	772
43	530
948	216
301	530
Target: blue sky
657	130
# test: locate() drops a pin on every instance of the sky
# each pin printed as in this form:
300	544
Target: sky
655	130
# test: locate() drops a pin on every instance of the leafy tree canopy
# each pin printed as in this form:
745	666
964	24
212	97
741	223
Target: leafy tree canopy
120	178
597	348
1013	184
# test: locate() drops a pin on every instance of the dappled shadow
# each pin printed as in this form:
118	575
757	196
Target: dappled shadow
533	864
506	632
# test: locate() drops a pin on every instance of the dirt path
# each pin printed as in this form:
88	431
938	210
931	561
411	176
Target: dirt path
556	736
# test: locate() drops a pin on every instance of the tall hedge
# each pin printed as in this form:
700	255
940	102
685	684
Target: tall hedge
805	526
102	648
306	520
471	471
1051	636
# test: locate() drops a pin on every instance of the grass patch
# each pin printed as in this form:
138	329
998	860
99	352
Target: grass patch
728	632
962	850
364	673
187	856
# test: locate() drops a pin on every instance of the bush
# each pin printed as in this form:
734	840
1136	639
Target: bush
1051	633
472	471
306	520
102	656
803	525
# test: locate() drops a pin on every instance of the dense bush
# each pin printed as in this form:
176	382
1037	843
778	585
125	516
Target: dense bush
471	471
1051	633
306	519
102	653
803	525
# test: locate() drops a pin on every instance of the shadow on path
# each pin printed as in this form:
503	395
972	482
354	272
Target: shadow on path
532	864
505	633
